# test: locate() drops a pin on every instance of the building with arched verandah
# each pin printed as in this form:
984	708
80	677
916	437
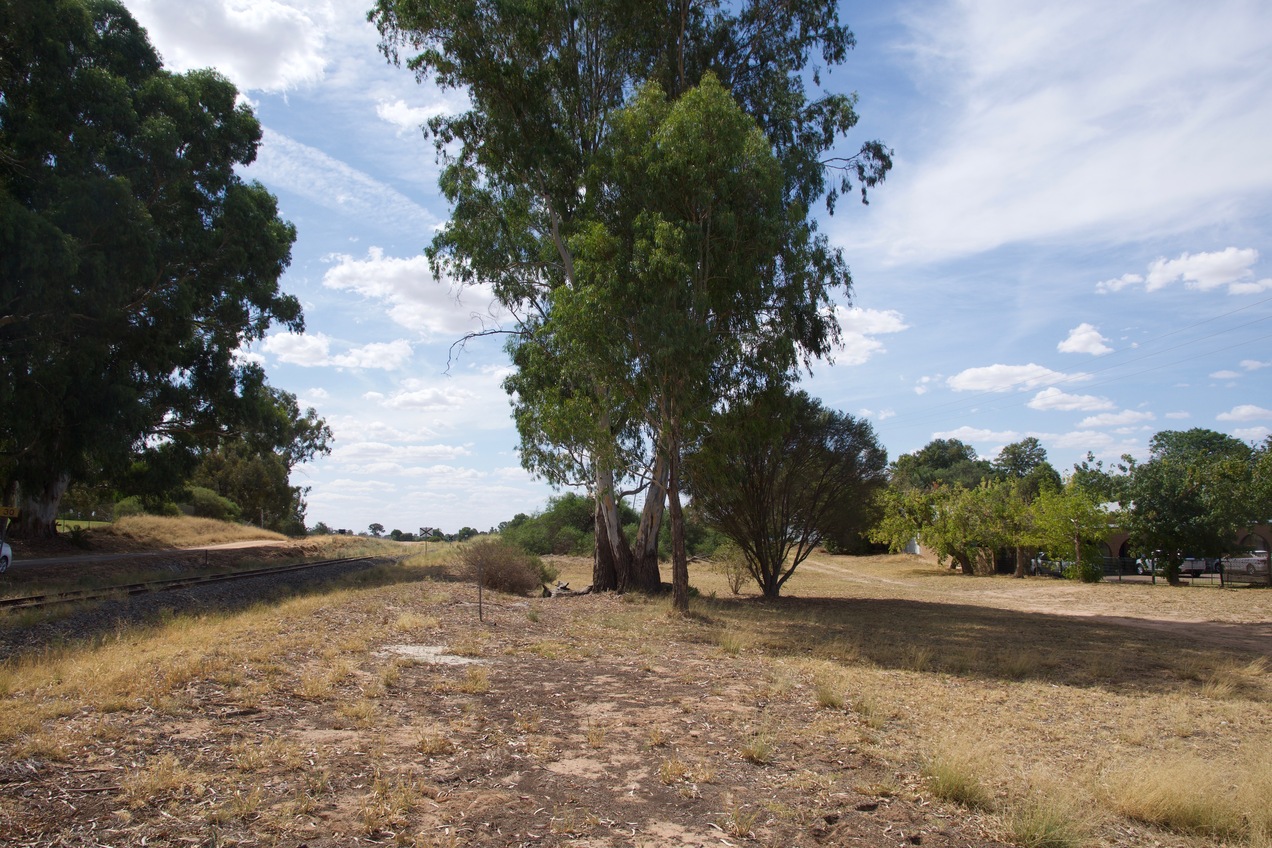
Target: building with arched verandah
1254	538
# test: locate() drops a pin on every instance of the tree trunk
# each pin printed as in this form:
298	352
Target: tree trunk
1020	561
679	560
604	575
620	553
645	575
38	518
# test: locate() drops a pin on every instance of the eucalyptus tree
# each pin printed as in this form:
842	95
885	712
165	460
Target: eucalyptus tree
134	261
545	80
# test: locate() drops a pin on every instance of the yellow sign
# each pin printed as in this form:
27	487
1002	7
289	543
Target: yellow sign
8	512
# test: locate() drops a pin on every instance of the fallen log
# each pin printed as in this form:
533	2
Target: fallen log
563	590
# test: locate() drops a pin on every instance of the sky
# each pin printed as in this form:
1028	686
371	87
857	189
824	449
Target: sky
1075	242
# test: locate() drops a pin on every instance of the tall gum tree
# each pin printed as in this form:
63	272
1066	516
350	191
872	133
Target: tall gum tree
544	79
135	262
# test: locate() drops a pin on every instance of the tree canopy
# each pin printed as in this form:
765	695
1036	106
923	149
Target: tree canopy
134	261
779	474
1191	496
940	462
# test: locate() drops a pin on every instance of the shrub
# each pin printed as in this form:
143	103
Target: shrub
1087	571
504	567
206	503
129	506
731	563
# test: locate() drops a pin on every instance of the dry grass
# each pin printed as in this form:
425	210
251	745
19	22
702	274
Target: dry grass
977	692
183	532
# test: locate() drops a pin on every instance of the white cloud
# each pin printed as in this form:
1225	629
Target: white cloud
307	349
1052	399
923	384
313	350
415	299
1203	271
1036	142
1178	416
860	326
977	434
408	118
317	393
1116	419
1252	434
1230	267
1083	440
284	163
1006	378
429	398
1254	364
388	356
260	45
365	453
1084	338
1245	412
1122	282
1224	375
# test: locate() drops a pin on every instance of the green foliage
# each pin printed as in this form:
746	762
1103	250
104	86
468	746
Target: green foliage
129	506
503	567
206	503
134	260
1069	524
564	527
565	206
778	474
942	462
1191	496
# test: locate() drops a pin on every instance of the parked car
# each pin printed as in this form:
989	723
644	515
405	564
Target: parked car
6	556
1195	567
1252	564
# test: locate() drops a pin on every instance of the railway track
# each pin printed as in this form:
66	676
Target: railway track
154	586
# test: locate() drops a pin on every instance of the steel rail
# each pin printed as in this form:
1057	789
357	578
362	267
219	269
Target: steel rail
171	584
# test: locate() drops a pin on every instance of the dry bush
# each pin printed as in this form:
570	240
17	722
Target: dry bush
1048	822
956	773
1189	795
502	567
730	562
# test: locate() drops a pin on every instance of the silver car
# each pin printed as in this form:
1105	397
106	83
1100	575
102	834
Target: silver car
6	556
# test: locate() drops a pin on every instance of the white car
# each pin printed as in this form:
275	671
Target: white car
6	556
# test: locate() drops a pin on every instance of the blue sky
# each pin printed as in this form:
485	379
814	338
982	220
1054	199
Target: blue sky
1075	242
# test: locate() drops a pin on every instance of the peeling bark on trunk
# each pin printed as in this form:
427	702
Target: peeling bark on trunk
679	561
38	518
645	574
604	575
609	530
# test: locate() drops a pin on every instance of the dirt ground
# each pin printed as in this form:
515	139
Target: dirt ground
592	720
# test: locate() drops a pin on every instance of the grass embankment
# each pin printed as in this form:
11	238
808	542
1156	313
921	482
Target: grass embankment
982	703
166	547
183	532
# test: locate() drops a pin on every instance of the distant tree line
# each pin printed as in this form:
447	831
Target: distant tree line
1191	497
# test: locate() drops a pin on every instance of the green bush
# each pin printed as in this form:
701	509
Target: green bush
129	506
504	567
1087	571
206	503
